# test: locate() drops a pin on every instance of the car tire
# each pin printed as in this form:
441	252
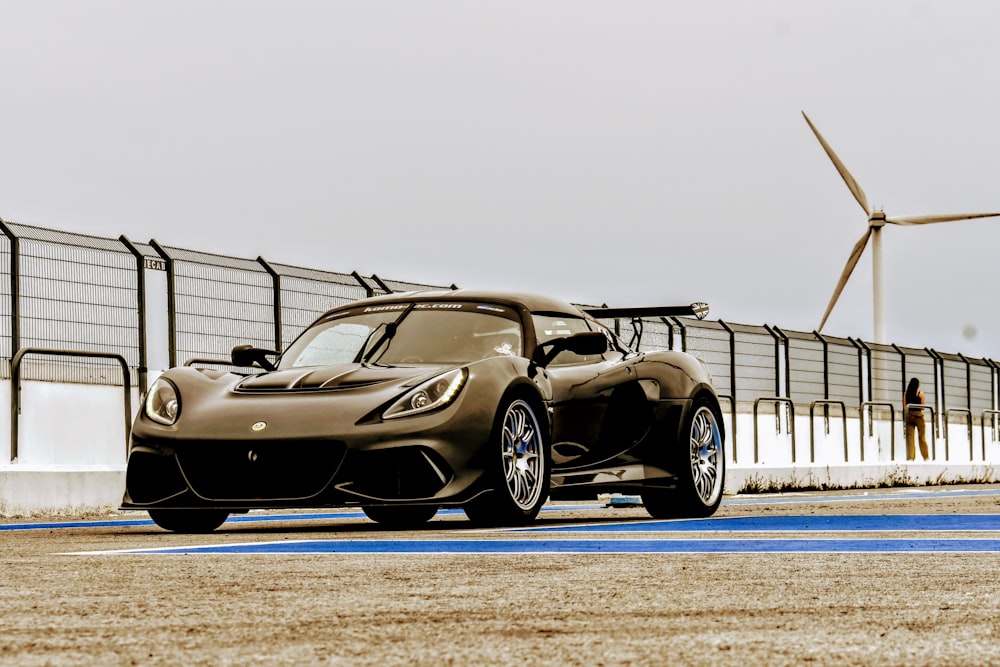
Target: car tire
517	469
400	516
189	521
701	468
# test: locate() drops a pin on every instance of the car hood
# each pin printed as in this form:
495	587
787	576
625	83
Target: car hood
343	376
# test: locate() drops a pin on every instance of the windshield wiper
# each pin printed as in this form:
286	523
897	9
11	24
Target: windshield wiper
388	330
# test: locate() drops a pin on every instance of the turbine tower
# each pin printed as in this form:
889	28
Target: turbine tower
876	221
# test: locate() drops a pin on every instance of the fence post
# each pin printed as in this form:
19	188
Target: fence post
171	303
15	289
781	371
992	365
381	285
680	325
276	282
369	290
939	394
732	381
140	270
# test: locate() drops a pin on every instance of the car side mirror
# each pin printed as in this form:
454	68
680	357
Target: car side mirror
582	343
248	355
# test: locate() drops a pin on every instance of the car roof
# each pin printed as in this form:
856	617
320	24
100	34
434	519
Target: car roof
530	301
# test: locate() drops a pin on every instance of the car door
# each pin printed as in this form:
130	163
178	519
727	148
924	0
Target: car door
599	409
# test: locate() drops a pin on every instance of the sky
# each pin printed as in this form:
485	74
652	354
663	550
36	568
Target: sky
628	153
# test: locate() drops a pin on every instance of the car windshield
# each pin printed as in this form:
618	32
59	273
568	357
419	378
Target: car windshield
421	333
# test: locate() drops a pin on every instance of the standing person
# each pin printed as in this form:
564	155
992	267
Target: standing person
915	418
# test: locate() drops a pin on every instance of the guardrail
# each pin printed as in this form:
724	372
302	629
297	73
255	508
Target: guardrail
732	420
968	421
790	409
15	387
205	361
866	409
826	420
993	416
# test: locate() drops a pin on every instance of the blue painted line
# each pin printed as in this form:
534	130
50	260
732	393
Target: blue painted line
861	522
583	547
879	522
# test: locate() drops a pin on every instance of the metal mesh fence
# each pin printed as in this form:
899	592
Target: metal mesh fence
218	303
6	307
306	294
967	384
887	383
955	381
806	367
756	363
656	335
844	361
75	292
823	368
710	342
80	292
982	383
921	365
388	286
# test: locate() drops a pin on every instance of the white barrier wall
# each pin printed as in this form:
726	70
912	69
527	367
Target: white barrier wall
71	451
71	448
771	458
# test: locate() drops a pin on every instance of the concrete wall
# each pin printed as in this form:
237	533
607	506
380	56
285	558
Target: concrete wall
72	451
843	455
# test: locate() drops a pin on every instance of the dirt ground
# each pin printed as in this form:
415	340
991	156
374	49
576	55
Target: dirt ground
406	609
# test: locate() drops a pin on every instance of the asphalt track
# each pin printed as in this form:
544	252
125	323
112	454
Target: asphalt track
874	532
894	576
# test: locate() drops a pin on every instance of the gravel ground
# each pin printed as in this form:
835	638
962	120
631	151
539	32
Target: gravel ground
596	609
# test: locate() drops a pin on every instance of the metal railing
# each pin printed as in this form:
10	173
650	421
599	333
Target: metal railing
994	417
947	431
867	408
732	418
790	418
826	422
15	387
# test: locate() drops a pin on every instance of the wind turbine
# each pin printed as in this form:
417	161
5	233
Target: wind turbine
876	221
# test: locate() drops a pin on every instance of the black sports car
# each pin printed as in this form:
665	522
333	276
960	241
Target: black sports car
405	403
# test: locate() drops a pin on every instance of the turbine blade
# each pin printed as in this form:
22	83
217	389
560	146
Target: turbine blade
855	189
852	261
927	219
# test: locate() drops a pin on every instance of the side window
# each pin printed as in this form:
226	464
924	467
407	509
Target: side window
614	342
548	327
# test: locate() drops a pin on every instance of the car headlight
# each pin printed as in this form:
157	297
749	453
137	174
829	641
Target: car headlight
430	395
163	403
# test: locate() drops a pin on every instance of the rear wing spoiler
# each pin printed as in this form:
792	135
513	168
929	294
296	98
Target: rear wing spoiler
698	310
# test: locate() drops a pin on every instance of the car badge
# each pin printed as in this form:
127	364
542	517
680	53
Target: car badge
252	456
258	426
